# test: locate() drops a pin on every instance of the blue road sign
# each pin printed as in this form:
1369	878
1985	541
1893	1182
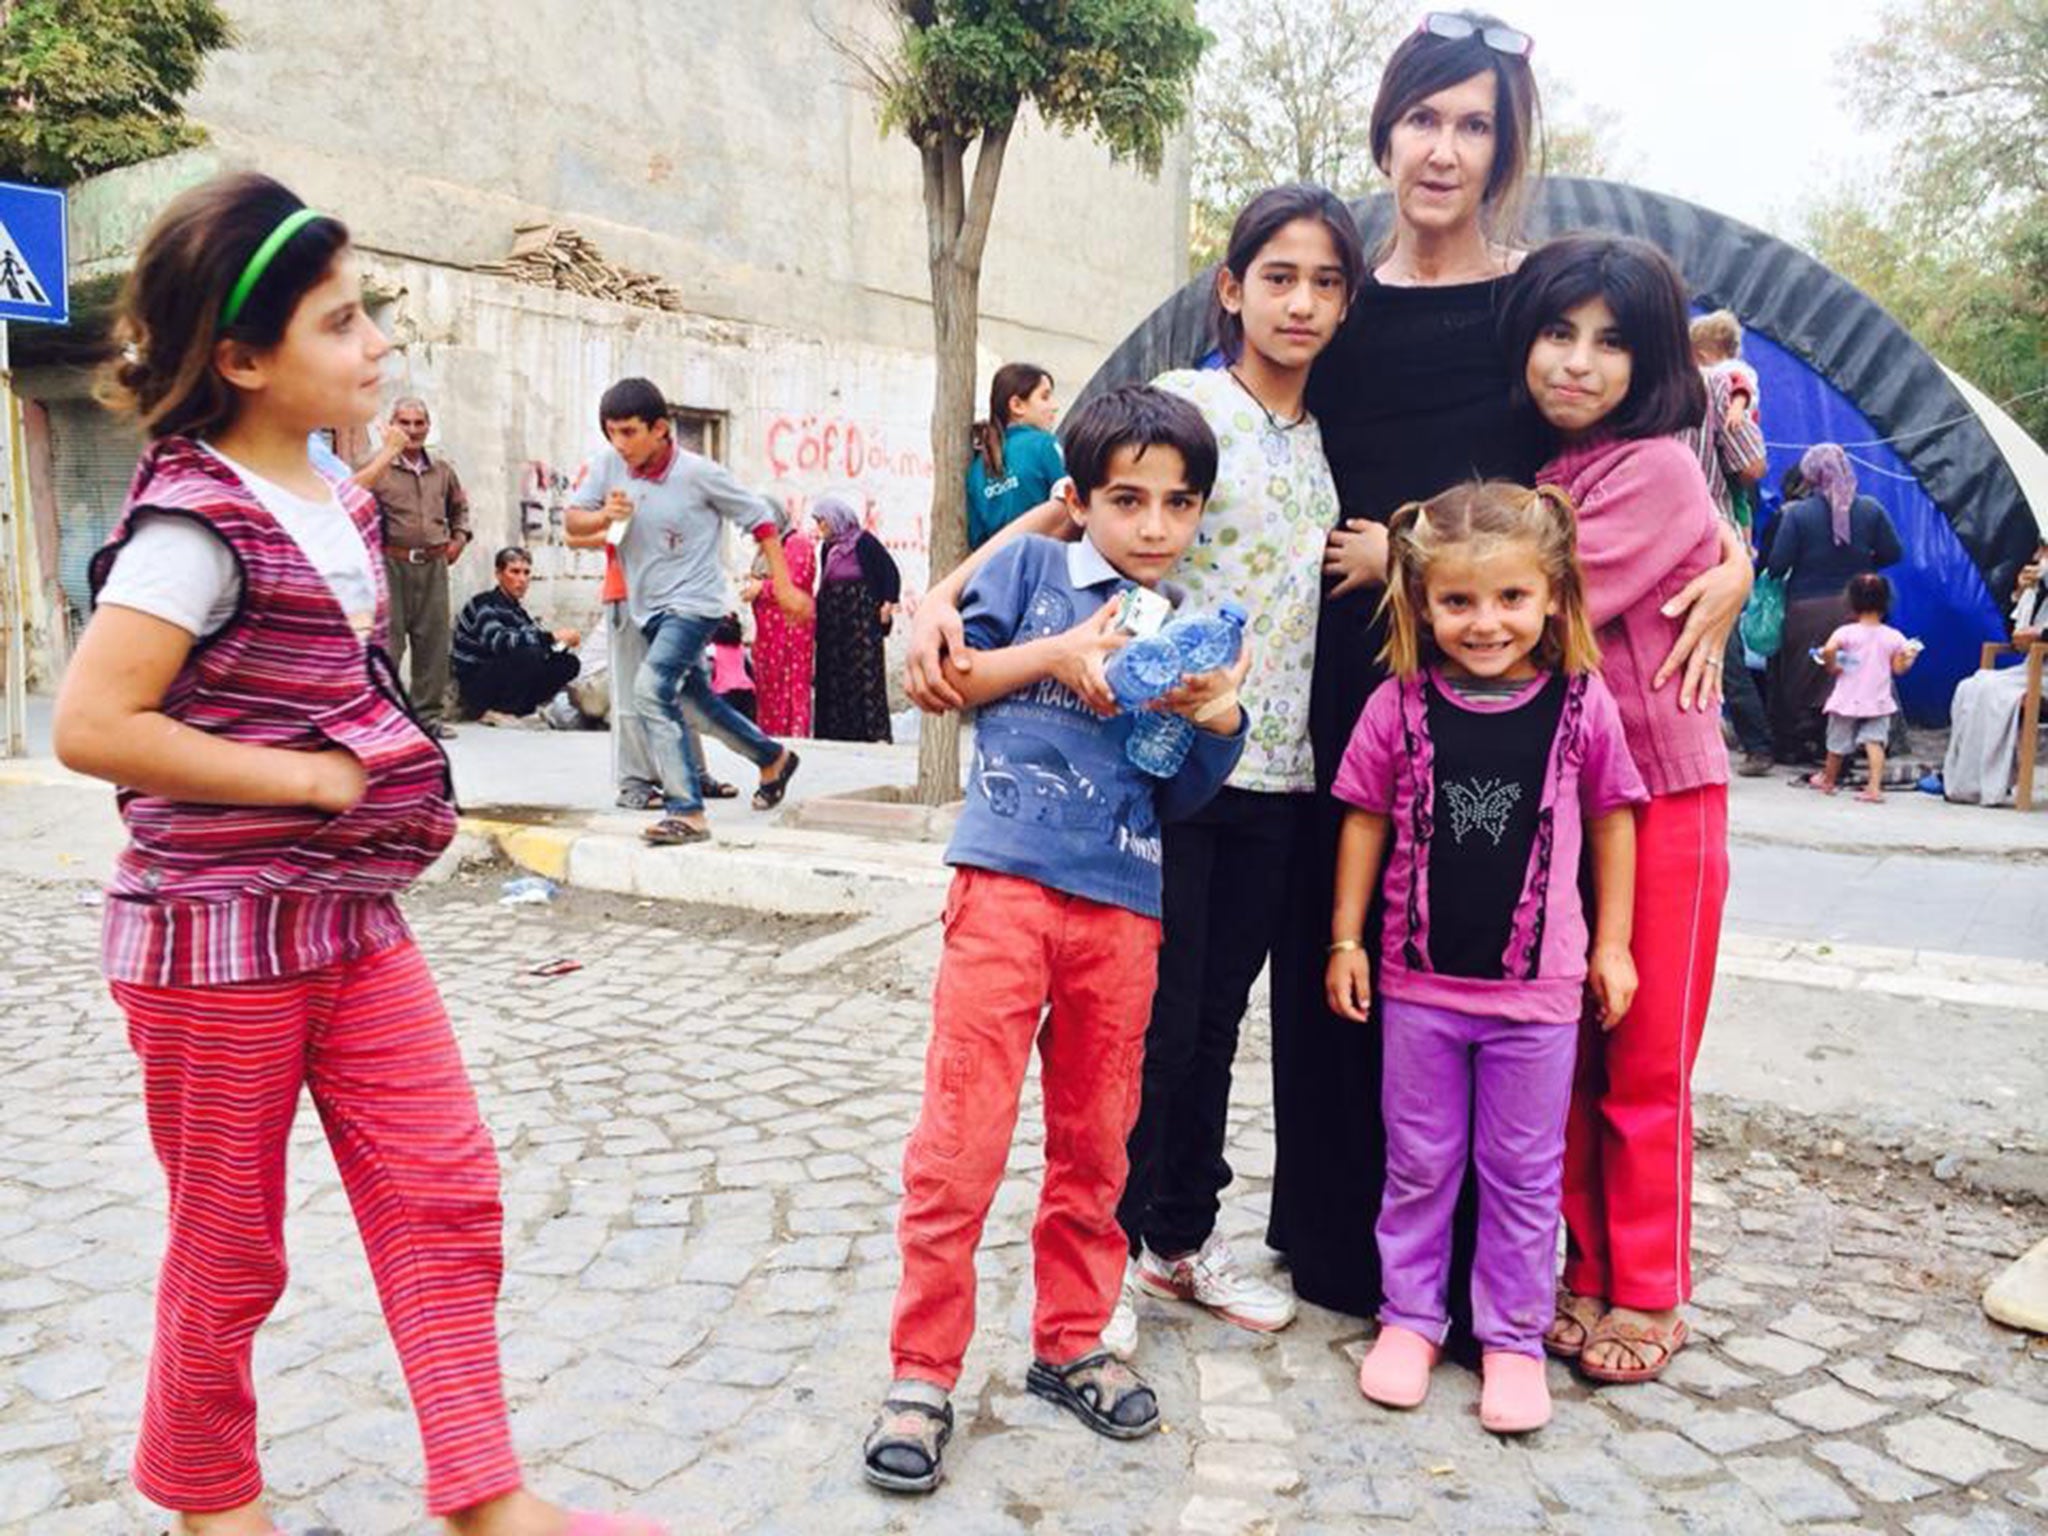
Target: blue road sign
33	261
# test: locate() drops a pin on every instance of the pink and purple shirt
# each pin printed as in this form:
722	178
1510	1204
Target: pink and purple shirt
1396	767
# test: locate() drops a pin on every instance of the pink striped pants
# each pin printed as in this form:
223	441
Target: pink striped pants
222	1067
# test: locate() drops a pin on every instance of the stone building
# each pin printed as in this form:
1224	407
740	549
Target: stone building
726	149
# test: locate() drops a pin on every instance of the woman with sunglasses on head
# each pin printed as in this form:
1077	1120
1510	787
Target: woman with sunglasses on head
1414	396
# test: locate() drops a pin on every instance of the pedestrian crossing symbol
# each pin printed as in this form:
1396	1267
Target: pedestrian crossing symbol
32	255
17	283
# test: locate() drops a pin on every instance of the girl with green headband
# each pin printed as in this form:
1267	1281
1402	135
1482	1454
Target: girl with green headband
279	793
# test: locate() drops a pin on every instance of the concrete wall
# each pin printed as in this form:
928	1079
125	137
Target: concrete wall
726	146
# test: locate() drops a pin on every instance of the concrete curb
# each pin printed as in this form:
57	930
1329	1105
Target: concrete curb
1976	981
769	870
896	886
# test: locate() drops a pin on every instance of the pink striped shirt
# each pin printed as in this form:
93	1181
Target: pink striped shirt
212	894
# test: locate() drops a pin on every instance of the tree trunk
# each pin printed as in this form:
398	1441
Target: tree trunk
957	218
955	325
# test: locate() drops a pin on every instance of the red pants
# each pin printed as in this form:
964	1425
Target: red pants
1628	1143
1012	948
222	1068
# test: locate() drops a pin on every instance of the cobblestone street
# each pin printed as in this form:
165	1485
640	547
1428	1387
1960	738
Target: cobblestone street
700	1151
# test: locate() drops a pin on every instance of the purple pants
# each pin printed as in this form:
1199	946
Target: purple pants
1499	1088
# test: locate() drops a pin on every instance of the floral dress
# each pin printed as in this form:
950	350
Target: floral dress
783	649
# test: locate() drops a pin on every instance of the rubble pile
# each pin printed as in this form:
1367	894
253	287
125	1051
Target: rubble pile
556	256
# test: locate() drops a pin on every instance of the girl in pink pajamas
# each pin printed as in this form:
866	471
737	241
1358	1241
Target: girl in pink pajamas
1475	774
279	792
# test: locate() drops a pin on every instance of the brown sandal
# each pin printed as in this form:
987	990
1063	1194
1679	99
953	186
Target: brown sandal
1577	1317
1649	1345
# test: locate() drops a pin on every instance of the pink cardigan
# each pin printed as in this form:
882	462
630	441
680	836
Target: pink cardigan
1646	528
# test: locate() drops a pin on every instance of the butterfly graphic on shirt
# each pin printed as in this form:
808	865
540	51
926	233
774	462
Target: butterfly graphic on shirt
1481	805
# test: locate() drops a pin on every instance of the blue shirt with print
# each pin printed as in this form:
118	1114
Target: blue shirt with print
1032	466
1052	797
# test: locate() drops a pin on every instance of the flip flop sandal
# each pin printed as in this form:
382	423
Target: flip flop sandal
583	1522
770	794
718	789
904	1450
1101	1391
649	799
1651	1348
1572	1314
674	832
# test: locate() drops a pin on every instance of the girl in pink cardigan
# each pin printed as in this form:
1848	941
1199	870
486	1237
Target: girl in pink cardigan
1601	324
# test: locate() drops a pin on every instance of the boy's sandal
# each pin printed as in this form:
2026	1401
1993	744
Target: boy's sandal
903	1451
1649	1347
717	789
770	794
674	832
648	799
1565	1338
1100	1390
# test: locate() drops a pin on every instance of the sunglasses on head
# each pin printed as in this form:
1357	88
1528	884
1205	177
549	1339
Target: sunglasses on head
1455	28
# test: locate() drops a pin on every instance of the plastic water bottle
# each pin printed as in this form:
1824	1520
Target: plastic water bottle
1159	742
1143	670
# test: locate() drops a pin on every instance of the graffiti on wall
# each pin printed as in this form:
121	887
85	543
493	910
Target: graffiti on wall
867	463
543	493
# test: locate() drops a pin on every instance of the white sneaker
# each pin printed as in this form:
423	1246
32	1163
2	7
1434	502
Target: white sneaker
1213	1278
1120	1333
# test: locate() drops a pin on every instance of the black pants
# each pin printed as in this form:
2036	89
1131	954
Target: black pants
1223	878
520	683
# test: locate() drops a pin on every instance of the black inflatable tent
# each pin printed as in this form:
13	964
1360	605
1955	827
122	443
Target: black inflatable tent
1834	367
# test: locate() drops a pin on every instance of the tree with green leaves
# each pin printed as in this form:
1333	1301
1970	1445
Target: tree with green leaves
1287	94
89	85
953	76
1955	245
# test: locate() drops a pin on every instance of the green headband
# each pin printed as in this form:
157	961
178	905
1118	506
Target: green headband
252	274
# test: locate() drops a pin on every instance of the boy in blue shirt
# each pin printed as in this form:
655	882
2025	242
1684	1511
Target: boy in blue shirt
1051	932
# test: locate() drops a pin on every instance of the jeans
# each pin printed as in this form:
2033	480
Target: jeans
672	679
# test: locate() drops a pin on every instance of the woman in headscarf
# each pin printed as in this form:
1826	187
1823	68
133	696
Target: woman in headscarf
782	645
858	588
1818	544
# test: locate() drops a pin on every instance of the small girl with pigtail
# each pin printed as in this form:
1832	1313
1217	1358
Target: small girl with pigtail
1475	773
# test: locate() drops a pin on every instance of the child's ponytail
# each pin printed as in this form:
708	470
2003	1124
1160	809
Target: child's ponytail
1402	603
1569	644
1013	381
226	260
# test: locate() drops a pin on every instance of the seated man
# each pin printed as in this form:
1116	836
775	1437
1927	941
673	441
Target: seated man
505	663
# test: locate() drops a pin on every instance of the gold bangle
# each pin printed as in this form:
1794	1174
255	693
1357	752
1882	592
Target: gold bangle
1341	945
1216	706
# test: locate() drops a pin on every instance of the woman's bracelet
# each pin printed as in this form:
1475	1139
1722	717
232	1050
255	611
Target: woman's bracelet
1341	945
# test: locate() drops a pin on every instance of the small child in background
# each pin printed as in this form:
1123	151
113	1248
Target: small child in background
1864	656
732	675
1717	348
